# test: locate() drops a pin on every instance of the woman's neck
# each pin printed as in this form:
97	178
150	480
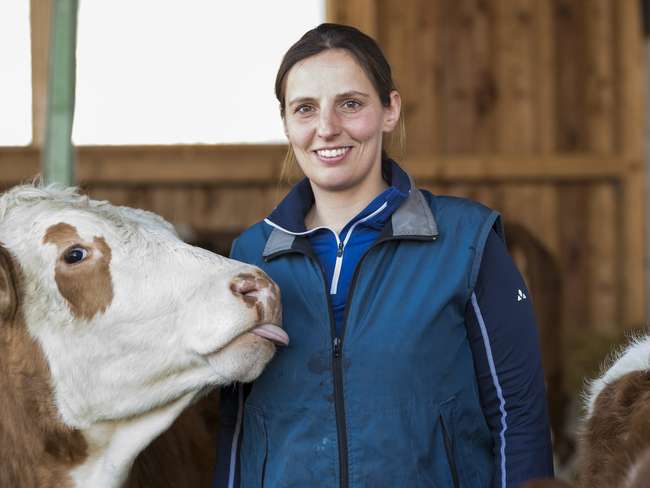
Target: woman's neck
334	209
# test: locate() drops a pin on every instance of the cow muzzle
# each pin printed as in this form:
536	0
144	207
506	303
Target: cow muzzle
259	292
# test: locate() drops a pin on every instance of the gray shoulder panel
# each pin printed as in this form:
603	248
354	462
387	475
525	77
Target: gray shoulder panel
277	241
414	217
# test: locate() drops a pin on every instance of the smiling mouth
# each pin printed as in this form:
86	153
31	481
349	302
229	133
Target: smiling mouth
333	153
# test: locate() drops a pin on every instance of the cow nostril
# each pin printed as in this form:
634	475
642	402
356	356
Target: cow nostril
249	285
243	287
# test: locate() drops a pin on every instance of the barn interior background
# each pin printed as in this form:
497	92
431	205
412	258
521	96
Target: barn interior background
535	108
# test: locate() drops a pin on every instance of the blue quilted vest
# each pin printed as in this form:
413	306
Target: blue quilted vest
394	400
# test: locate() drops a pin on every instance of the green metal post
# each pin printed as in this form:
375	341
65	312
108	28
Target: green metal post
58	154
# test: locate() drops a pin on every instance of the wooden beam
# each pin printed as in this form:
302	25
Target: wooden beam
243	164
508	168
40	14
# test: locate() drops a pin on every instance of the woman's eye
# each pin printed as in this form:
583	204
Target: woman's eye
75	255
351	105
303	109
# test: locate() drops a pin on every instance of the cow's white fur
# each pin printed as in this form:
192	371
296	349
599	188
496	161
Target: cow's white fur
158	343
635	357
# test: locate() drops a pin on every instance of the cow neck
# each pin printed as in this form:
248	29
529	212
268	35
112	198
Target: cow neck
113	446
36	448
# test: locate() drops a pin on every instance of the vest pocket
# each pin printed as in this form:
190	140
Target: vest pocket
254	449
448	443
449	450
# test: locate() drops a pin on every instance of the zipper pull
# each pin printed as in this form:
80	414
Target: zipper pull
337	347
339	253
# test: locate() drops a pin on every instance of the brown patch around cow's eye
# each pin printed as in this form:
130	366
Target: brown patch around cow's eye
87	288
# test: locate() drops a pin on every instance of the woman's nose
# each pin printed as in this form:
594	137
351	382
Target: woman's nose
328	124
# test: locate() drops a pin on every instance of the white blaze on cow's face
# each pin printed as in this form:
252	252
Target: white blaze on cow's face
129	316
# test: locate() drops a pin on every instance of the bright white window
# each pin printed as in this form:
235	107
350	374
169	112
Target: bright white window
15	74
190	71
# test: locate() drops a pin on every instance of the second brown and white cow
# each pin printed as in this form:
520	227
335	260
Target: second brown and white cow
110	326
615	439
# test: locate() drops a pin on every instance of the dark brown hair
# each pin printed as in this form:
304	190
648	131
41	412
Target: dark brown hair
362	47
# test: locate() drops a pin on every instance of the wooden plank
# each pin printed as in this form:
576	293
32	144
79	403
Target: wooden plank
634	225
545	78
533	205
424	17
569	56
464	92
397	37
485	79
362	14
603	254
631	125
553	168
40	19
548	215
515	76
599	73
520	205
455	78
573	200
198	164
234	209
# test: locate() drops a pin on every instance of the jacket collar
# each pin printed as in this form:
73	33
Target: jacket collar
413	219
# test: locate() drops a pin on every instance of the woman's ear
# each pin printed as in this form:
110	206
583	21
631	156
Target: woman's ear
392	112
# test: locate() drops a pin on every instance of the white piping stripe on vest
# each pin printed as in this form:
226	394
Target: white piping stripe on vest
272	224
339	259
235	438
497	386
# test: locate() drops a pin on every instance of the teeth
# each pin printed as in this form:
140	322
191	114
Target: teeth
332	153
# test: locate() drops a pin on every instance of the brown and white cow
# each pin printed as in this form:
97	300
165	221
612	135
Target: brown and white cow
615	442
616	438
110	326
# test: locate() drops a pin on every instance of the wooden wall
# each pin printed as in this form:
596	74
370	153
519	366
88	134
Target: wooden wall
558	81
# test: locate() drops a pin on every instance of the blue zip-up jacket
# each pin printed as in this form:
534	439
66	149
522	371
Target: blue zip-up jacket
433	377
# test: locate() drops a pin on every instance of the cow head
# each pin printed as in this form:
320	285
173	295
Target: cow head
128	316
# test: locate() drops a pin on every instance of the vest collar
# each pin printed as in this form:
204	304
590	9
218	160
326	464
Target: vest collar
412	220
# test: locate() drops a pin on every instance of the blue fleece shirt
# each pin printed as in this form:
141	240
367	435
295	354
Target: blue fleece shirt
349	245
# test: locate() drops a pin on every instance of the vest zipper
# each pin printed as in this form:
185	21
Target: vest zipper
337	374
337	371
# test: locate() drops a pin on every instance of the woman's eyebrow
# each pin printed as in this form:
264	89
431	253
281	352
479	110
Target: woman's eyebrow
301	100
353	93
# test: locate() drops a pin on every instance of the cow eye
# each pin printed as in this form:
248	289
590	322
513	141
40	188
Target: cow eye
75	255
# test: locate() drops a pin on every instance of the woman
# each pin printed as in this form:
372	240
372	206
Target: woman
414	357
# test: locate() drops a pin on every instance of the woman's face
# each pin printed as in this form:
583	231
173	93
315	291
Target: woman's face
334	121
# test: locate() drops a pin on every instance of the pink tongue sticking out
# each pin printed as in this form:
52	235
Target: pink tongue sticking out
272	333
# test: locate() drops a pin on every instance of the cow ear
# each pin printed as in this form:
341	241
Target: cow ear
8	291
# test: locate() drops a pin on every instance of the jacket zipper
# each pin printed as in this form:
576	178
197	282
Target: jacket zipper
450	453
